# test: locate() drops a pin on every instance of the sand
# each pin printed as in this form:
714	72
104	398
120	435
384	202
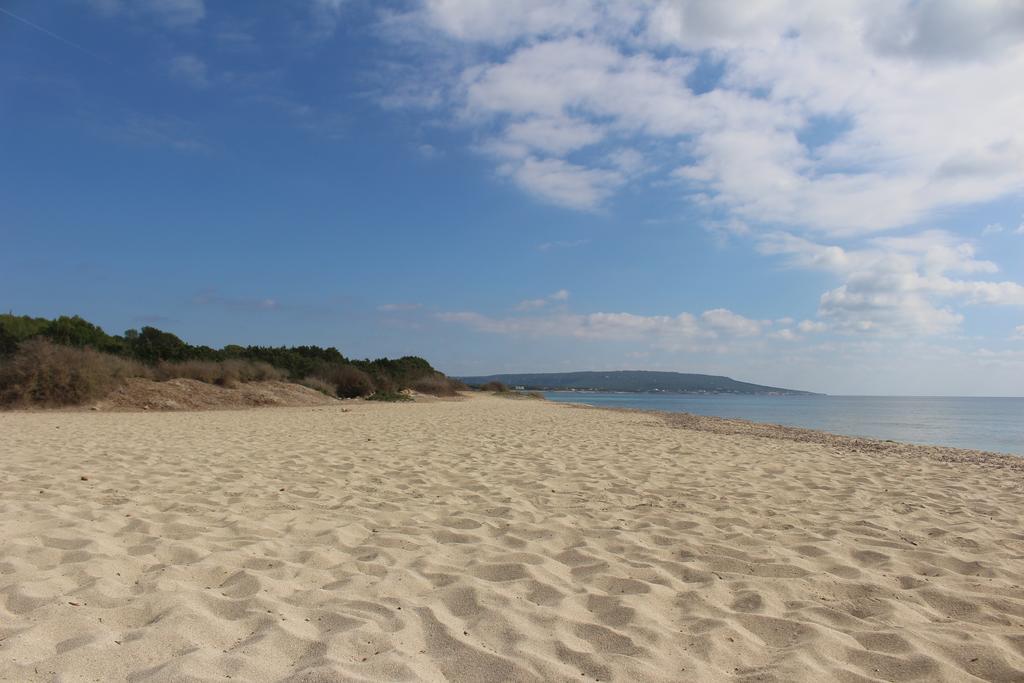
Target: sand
189	394
494	540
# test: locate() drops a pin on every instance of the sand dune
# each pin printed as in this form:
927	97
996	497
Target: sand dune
493	540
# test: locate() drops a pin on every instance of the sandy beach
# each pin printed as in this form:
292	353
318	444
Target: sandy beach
490	539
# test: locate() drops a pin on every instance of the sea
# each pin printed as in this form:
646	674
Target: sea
987	424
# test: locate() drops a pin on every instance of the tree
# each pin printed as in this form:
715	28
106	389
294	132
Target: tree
151	345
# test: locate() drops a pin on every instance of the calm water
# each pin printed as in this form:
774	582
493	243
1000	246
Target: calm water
988	424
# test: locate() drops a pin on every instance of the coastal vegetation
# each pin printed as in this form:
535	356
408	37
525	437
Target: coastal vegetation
71	361
501	389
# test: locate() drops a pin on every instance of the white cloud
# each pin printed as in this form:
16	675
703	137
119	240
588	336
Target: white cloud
992	229
551	82
629	161
508	20
826	122
889	307
945	30
1018	332
897	285
785	334
724	320
556	135
563	183
811	326
189	69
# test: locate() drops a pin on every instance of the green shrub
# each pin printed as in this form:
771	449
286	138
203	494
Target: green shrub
15	329
297	361
348	381
495	386
151	345
80	333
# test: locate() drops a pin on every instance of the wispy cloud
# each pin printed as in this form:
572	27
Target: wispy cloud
399	308
154	131
170	13
189	69
428	151
325	15
684	331
45	31
560	296
562	244
211	297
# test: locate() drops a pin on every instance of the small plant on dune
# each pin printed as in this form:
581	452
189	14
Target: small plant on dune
388	397
495	386
320	385
226	373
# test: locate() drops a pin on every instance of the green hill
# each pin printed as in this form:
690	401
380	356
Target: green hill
633	381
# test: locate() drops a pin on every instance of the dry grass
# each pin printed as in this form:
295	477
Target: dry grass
320	385
45	374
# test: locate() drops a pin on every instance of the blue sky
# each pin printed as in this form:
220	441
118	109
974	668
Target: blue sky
827	198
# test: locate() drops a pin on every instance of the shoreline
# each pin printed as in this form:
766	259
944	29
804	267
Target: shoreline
729	426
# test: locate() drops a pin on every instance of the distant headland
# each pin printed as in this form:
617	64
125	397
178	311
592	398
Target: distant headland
638	381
